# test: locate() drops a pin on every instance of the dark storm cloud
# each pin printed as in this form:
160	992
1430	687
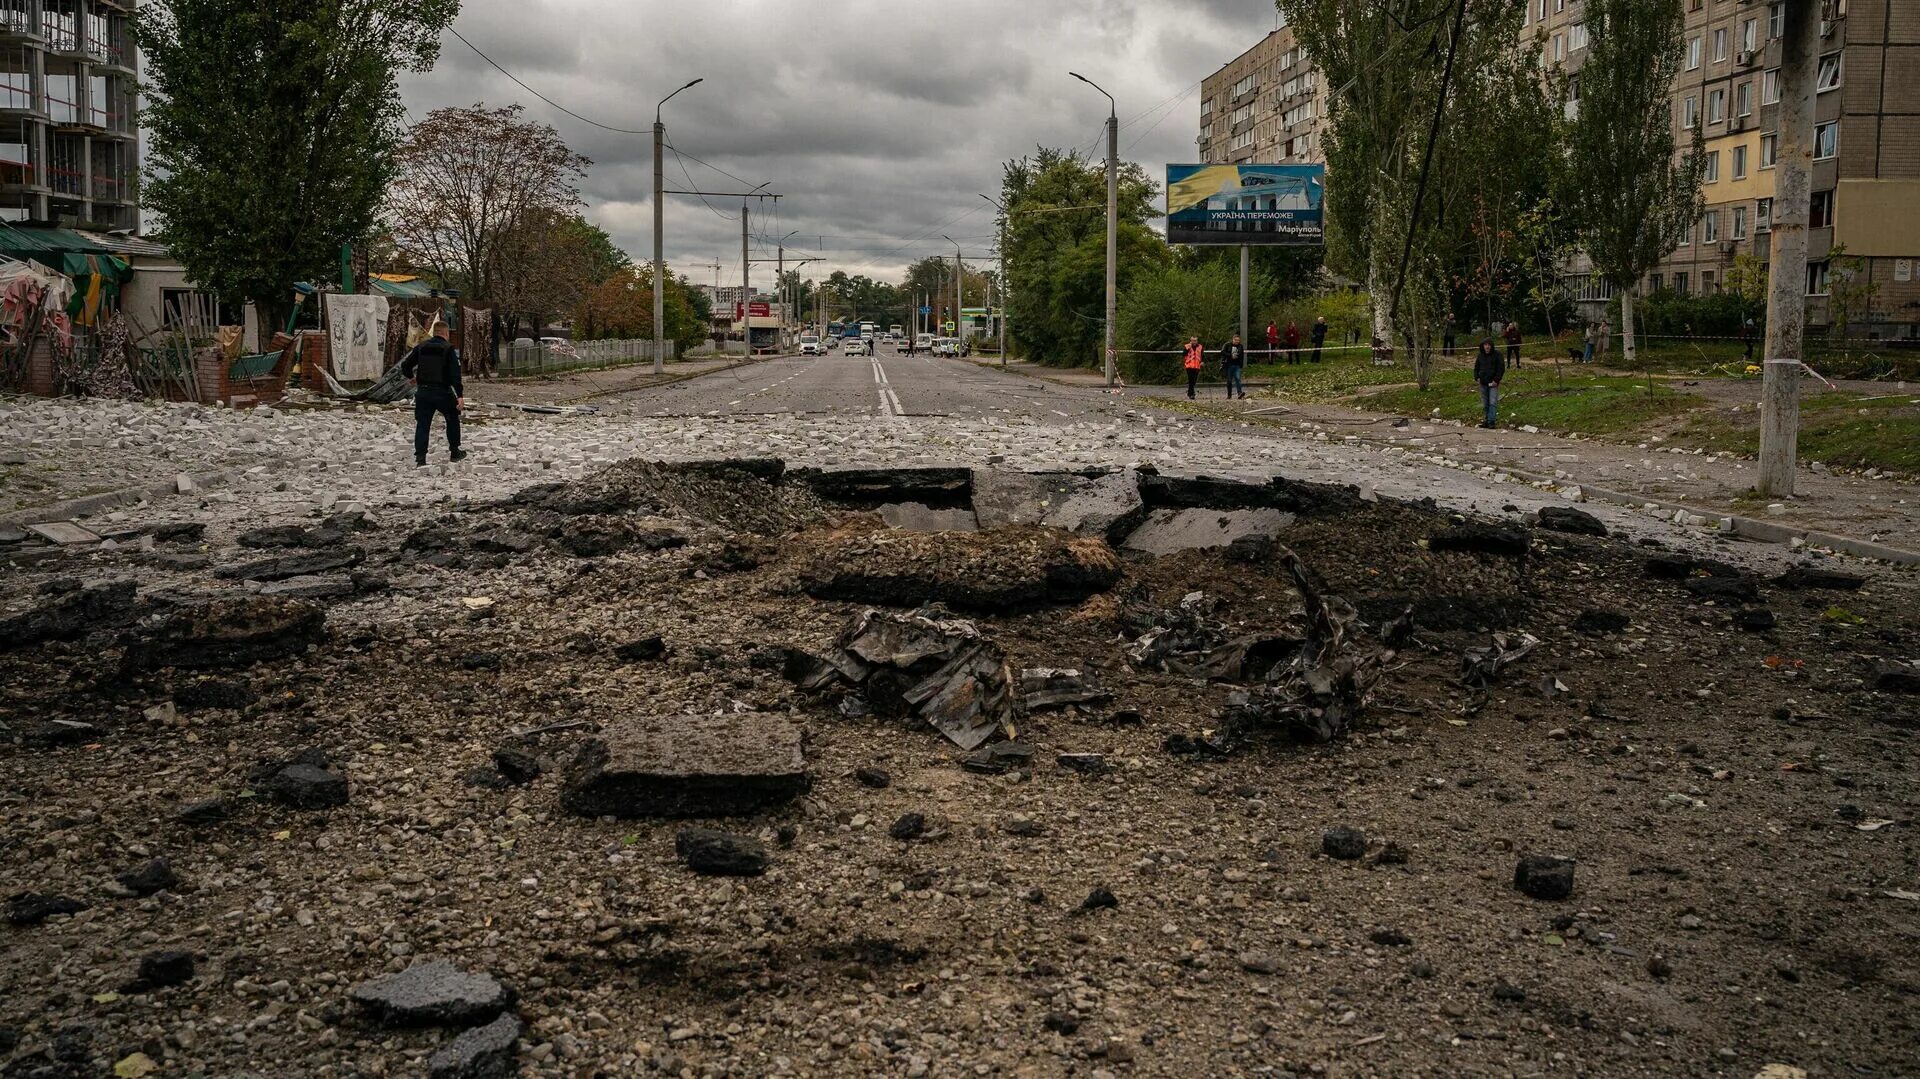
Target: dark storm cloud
878	121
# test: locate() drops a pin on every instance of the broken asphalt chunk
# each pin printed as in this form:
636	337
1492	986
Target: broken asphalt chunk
720	854
1052	687
304	785
70	614
687	766
1570	520
296	565
1346	844
1814	577
1003	570
1477	537
159	970
156	876
227	633
998	758
1544	876
32	908
433	993
484	1052
1595	622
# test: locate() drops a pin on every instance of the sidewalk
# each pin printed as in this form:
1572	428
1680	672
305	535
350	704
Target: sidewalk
1882	512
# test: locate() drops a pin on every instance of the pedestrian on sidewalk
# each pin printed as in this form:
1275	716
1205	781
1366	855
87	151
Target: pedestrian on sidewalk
1512	334
1273	342
1233	359
1191	361
433	367
1319	336
1488	370
1293	342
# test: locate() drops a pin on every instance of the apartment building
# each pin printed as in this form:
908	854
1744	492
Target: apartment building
1266	106
1866	171
68	147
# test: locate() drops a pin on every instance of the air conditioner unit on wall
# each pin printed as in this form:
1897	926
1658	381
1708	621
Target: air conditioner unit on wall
1745	58
1726	247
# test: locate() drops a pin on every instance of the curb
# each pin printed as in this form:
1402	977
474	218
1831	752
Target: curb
126	496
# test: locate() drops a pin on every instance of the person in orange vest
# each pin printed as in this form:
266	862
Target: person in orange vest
1195	356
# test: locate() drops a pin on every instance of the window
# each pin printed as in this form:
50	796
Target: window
1776	21
1770	87
1769	150
1750	35
1693	54
1680	283
1577	36
1819	278
1709	231
1717	106
1242	113
1686	240
1559	46
1559	5
1829	75
1712	173
1708	284
1541	7
1763	216
1739	162
1653	283
1719	45
1826	140
1690	112
1206	106
1241	141
1743	99
1739	222
1820	210
1246	84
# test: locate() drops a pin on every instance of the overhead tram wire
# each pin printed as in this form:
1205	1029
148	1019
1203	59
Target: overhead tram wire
516	81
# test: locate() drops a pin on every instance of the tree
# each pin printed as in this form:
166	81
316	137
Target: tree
467	178
1166	304
1746	281
1424	94
545	263
1850	291
1056	250
271	131
1632	197
621	307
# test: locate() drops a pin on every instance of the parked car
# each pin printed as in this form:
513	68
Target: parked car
923	342
811	346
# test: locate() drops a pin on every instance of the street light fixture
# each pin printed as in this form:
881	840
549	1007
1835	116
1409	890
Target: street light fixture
1113	220
659	243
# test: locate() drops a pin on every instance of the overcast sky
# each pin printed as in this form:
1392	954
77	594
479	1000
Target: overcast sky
880	121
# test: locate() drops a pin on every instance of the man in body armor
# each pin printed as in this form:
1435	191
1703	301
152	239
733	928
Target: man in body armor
433	366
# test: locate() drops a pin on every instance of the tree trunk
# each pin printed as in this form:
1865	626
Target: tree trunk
1378	297
1626	326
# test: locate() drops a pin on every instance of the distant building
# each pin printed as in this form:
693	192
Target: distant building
1265	106
69	154
1866	169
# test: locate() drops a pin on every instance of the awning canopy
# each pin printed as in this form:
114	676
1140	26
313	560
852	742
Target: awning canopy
70	252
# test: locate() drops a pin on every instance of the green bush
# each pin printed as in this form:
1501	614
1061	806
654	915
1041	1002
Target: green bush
1666	313
1165	305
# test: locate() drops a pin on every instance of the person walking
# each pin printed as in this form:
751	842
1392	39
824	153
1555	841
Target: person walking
1191	361
433	367
1319	336
1512	334
1233	359
1293	342
1273	341
1488	370
1447	337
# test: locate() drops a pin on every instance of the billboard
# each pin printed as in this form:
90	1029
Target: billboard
1245	204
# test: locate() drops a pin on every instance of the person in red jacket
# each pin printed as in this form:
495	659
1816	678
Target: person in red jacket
1273	342
1512	334
1195	356
1293	342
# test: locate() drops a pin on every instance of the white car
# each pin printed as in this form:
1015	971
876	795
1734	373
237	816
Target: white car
853	346
923	342
811	346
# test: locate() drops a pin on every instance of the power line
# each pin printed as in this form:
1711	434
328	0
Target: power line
538	94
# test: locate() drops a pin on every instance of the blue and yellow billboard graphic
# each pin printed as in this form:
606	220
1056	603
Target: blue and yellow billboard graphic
1245	204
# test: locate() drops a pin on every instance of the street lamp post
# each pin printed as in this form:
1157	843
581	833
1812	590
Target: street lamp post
659	246
1004	291
780	281
1113	218
959	278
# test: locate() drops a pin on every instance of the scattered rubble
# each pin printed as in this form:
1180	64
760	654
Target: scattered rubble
720	854
70	613
687	766
941	669
1005	570
227	633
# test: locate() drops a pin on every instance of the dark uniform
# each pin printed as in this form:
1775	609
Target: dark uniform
434	367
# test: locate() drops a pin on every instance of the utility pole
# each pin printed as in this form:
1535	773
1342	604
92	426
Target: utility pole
746	284
659	244
1787	286
959	276
1005	288
1113	223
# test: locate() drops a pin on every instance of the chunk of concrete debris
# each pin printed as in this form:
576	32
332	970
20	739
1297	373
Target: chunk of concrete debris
1476	537
156	876
433	993
1346	844
485	1052
943	670
1092	764
1891	676
227	633
1816	577
303	781
1544	876
308	564
687	766
1572	521
720	854
1009	569
160	970
70	614
64	533
998	758
1166	532
917	517
309	586
1107	506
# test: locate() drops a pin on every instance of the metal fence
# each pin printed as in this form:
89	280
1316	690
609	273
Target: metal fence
553	357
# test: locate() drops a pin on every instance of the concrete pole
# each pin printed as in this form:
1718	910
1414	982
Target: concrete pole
1004	287
746	284
1245	259
1787	273
959	281
1113	232
780	292
659	252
